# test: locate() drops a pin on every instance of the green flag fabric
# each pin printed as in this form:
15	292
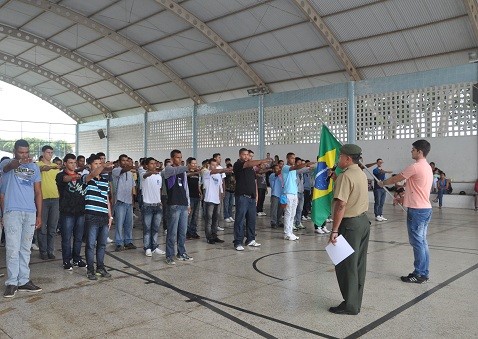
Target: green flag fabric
322	192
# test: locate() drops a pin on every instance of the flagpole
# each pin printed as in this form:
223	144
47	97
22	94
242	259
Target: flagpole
361	163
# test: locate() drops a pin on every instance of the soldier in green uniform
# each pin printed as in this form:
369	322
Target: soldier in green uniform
350	220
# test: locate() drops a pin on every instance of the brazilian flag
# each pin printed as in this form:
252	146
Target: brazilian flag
322	192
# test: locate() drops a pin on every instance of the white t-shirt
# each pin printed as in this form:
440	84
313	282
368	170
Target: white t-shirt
223	175
152	189
213	186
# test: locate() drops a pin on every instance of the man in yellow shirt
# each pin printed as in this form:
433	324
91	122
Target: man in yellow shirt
50	205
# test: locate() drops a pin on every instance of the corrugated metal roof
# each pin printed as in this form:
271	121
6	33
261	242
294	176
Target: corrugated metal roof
285	50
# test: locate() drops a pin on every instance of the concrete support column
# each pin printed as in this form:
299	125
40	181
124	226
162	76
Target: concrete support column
351	114
262	147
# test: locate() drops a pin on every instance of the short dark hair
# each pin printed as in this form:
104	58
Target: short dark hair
250	151
216	155
92	158
148	160
228	159
44	148
422	145
21	143
101	154
80	157
68	157
174	152
379	159
229	165
122	156
432	163
289	154
188	160
297	159
242	150
211	160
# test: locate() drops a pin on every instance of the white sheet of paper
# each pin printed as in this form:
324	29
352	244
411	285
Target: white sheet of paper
339	251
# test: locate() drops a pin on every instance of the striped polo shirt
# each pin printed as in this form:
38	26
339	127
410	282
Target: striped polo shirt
96	198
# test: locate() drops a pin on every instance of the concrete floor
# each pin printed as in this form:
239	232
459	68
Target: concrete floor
279	290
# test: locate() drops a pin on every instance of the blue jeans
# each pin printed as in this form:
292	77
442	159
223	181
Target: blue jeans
97	233
441	191
300	206
152	215
227	204
123	223
276	211
379	197
19	228
245	210
72	225
417	224
211	220
49	222
193	216
177	226
164	201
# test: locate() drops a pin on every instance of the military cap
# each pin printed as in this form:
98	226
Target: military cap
350	149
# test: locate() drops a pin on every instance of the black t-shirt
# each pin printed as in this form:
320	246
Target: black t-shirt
245	179
72	200
193	185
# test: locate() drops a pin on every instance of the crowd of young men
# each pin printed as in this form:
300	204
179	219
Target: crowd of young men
82	200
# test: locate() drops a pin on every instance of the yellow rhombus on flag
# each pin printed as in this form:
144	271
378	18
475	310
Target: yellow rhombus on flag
322	192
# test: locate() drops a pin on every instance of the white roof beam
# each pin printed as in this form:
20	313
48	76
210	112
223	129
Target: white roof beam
308	9
215	38
58	79
41	95
126	42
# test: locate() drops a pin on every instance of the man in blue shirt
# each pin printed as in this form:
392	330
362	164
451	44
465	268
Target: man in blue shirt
276	182
379	193
22	215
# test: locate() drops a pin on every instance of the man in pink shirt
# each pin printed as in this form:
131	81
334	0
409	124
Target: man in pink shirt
419	178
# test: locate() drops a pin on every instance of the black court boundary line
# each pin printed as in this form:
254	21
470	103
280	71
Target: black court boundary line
254	264
202	301
409	304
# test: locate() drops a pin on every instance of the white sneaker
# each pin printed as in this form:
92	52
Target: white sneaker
239	248
109	240
228	220
329	220
319	231
300	226
148	253
35	247
383	219
378	218
232	219
291	237
325	230
309	218
304	218
253	243
135	216
158	251
220	228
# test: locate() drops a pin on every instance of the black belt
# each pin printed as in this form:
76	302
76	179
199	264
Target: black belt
154	205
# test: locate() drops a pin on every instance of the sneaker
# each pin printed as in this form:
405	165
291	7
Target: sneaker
218	240
148	253
130	246
109	240
378	218
412	278
253	243
301	227
29	287
304	218
329	220
170	261
291	237
185	257
294	228
196	236
319	231
43	256
119	248
239	248
10	291
103	273
383	218
210	241
157	250
67	266
51	256
435	200
325	230
80	263
220	228
232	219
35	247
309	218
135	216
91	275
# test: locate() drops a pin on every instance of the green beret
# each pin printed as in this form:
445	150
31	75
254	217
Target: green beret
350	149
